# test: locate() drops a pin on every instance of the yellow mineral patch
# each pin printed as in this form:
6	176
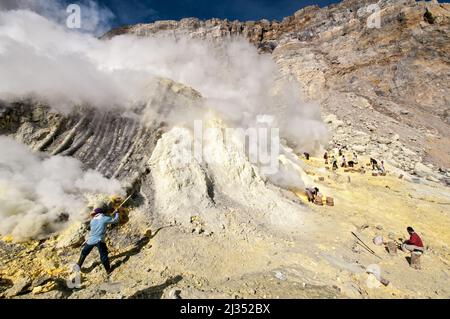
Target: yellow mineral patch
388	204
56	271
124	212
45	288
322	255
8	239
300	194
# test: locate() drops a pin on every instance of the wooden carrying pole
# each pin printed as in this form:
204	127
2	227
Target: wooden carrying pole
124	202
365	246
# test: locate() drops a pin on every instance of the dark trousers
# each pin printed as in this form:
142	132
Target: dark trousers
103	251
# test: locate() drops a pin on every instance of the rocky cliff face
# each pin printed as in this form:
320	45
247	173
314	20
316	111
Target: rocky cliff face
388	86
224	230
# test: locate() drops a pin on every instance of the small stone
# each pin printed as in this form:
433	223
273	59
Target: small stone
364	226
37	290
73	236
18	288
356	249
279	275
359	148
432	179
175	293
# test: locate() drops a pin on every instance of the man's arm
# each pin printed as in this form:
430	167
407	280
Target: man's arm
414	240
114	220
409	241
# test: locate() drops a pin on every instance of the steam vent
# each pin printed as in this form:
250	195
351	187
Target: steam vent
208	138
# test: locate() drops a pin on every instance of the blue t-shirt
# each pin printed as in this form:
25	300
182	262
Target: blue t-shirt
98	227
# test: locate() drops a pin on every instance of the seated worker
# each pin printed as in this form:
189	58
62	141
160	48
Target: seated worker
414	243
311	193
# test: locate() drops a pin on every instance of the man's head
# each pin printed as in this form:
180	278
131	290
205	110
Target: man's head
410	230
96	211
316	189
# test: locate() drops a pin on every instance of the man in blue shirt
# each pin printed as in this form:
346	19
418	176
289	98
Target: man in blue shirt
96	238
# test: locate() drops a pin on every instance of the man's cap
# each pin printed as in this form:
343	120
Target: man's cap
97	211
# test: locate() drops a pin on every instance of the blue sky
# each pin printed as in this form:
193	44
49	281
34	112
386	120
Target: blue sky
136	11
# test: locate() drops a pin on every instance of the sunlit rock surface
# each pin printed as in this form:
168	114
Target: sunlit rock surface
226	231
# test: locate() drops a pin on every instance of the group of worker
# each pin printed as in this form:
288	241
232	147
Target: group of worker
343	160
350	163
377	167
100	220
413	244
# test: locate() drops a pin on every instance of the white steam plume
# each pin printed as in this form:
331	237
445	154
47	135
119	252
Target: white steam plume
35	190
40	58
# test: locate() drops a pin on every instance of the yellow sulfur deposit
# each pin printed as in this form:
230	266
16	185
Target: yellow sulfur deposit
56	272
8	239
45	288
300	194
116	201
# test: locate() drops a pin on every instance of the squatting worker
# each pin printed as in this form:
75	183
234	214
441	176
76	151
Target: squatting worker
414	243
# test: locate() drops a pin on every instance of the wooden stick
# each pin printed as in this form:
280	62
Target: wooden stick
367	247
124	202
368	250
363	242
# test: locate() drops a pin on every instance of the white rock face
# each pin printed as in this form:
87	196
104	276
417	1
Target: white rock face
185	186
424	171
73	236
179	180
234	175
359	148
